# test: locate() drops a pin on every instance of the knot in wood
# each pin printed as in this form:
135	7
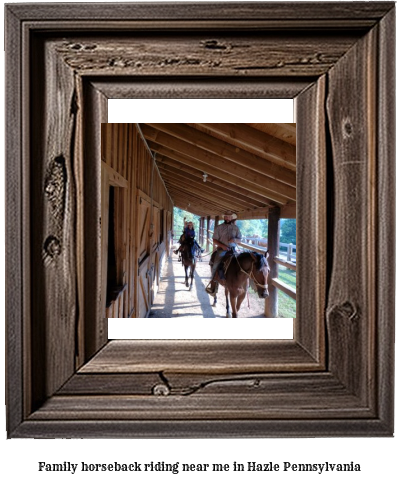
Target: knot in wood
161	390
347	128
213	44
52	248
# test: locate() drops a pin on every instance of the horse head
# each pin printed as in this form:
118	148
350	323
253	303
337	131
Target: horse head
260	273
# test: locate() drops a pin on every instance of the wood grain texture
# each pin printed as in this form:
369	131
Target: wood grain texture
213	56
200	356
16	251
385	266
95	330
361	14
53	213
190	428
142	87
311	218
352	129
348	395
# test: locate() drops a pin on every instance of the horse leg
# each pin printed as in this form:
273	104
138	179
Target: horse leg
233	300
226	292
240	299
191	276
185	270
215	299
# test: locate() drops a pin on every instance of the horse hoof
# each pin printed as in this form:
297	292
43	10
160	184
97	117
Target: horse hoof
228	315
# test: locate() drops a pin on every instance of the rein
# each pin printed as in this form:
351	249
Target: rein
251	274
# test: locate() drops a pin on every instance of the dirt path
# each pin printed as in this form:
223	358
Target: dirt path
174	300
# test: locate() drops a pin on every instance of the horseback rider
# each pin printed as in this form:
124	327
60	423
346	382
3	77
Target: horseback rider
225	237
188	236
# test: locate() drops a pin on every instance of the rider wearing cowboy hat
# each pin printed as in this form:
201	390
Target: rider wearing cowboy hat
225	237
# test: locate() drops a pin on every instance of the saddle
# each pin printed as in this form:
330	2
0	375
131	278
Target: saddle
224	264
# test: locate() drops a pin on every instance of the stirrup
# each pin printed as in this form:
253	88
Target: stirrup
209	290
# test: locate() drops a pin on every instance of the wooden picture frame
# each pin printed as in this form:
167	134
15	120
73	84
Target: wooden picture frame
335	378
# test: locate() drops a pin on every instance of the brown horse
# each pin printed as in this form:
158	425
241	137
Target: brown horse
188	260
243	268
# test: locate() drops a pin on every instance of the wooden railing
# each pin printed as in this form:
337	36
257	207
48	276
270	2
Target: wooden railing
282	286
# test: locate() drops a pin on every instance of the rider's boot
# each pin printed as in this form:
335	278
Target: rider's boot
211	288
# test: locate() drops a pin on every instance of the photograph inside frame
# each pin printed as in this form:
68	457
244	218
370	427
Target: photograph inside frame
198	220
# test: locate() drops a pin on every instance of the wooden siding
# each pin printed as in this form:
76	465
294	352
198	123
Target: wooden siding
142	220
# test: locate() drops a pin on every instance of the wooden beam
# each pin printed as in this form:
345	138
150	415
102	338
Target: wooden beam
181	196
274	188
208	236
194	209
273	240
222	184
226	151
283	131
224	173
190	199
288	290
258	213
288	211
253	141
205	196
285	263
207	189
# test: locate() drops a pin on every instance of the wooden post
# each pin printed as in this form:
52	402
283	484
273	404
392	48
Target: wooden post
199	230
202	231
208	219
289	252
216	222
271	303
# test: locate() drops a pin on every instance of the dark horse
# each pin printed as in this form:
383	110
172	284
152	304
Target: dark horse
188	259
242	268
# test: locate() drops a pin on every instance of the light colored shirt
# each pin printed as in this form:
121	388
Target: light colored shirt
225	232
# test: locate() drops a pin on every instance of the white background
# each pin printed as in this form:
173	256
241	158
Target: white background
378	456
214	111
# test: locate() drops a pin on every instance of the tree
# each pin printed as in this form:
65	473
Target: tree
178	220
288	231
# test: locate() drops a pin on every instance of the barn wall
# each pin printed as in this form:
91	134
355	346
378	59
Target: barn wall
142	220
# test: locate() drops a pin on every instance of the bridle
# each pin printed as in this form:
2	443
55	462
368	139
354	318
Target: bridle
251	274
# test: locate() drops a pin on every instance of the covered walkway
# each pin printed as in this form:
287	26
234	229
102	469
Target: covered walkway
174	300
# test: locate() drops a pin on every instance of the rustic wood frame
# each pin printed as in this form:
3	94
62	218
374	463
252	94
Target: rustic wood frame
336	376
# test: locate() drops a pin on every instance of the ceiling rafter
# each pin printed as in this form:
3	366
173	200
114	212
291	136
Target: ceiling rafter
207	188
212	197
250	196
283	131
274	190
216	150
249	139
248	168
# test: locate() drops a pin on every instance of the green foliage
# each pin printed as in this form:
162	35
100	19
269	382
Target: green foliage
288	231
286	305
253	227
178	218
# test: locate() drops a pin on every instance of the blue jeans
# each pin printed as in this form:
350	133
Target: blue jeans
218	258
